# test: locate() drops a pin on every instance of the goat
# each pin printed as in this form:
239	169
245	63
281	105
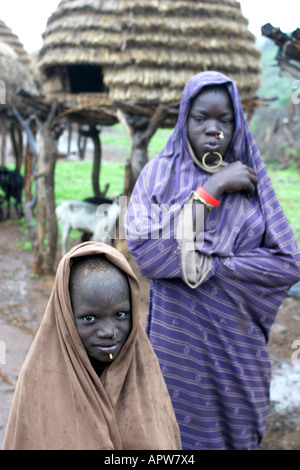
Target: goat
12	184
98	220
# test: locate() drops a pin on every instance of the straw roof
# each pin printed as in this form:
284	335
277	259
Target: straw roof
7	36
14	72
148	50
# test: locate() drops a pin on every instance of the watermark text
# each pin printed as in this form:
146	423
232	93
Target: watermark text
296	94
296	354
2	353
2	92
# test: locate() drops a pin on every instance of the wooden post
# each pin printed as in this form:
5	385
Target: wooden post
93	132
31	158
140	131
46	218
3	142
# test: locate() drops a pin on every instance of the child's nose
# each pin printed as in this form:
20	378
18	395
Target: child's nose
105	330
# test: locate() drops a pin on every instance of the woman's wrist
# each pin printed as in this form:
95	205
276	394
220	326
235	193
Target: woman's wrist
214	188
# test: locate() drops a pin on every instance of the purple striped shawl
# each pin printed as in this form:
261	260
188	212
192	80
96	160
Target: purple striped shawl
211	340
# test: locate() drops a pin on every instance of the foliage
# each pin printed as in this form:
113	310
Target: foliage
286	184
73	179
274	84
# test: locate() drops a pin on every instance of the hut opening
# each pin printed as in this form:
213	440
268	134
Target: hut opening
86	79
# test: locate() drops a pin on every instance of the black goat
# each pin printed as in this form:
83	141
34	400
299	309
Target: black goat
12	184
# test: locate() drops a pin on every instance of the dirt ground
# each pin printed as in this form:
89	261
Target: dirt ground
23	299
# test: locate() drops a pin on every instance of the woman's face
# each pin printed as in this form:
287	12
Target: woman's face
211	113
102	313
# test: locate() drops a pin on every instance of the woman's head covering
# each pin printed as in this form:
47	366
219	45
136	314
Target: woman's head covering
61	403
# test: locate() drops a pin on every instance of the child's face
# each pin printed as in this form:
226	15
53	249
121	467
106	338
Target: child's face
102	313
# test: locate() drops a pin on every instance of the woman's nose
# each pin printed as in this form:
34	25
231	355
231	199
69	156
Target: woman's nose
212	128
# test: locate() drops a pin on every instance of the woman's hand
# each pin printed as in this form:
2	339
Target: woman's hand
234	177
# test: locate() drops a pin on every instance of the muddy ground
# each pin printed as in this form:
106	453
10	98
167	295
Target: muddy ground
23	299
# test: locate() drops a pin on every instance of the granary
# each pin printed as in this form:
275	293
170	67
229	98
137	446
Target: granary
105	61
107	55
131	50
14	73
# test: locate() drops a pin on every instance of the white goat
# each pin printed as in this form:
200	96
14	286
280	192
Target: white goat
98	220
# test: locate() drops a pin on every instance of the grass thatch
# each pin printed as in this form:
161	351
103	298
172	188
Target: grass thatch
14	74
7	36
149	49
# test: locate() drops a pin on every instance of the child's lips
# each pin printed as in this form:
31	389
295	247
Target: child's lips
107	349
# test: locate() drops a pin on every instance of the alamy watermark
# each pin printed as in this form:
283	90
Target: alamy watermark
2	353
296	94
296	354
157	222
2	92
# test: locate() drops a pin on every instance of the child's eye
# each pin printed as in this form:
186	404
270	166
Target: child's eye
121	314
88	318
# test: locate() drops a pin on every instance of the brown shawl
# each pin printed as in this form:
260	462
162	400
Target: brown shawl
61	403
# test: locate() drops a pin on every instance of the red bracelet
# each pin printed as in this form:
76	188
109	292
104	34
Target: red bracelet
207	197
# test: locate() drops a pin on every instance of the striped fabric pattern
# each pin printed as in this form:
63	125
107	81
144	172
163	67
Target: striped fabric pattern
211	341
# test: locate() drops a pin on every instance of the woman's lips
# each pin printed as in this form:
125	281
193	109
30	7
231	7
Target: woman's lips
211	146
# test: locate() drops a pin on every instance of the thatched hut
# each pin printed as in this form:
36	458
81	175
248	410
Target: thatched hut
126	60
14	73
138	55
147	50
7	36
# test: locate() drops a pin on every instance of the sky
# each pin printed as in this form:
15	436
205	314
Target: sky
28	19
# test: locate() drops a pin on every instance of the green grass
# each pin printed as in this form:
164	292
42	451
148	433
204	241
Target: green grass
118	139
73	179
286	184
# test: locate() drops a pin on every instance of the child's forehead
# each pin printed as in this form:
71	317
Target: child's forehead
97	265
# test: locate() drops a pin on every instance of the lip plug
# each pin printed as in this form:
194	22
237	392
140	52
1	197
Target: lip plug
111	357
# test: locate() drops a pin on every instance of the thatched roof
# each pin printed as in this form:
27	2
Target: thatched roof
13	74
14	71
7	36
149	49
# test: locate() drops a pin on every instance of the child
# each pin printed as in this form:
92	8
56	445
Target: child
91	379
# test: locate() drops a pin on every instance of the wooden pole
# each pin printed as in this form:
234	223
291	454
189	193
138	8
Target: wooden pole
139	131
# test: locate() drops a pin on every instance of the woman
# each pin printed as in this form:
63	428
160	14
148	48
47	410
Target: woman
91	379
204	224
